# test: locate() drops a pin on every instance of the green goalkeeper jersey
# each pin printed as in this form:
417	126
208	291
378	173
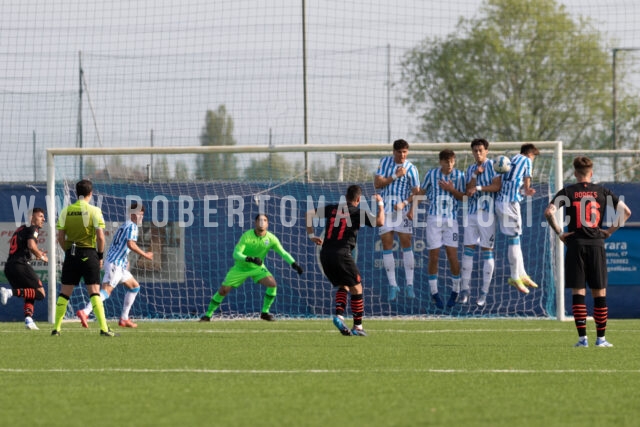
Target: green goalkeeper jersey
258	246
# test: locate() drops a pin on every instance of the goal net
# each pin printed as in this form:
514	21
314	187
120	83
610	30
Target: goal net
194	216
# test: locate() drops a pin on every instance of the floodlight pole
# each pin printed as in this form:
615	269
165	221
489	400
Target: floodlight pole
307	173
79	126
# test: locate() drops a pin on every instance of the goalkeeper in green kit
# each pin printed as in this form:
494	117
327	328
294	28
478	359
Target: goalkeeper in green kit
249	255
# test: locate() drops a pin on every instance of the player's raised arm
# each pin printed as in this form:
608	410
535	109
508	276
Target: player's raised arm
380	213
310	215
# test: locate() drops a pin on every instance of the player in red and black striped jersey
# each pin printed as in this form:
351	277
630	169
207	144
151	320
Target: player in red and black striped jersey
24	281
343	220
585	204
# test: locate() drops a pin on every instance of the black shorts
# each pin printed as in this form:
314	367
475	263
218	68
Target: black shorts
83	265
340	268
21	275
585	264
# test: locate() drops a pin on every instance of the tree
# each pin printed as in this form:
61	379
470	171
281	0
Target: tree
90	167
217	131
274	167
161	170
522	70
352	170
182	171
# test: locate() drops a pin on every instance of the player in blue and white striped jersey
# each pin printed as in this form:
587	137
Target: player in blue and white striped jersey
444	187
482	184
399	180
508	211
116	267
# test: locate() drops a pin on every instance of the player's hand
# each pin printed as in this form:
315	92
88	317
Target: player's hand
446	185
148	255
254	259
316	240
297	268
563	236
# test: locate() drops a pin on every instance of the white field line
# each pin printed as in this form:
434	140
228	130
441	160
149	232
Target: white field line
329	329
319	371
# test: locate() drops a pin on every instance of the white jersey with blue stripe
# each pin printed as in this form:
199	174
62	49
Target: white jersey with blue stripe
513	180
119	250
484	179
401	188
441	202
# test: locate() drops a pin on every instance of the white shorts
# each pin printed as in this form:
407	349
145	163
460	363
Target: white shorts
508	214
441	232
396	221
481	229
114	275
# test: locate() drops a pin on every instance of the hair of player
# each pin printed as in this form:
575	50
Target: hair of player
480	141
400	144
84	188
529	148
38	210
259	215
353	192
134	207
582	165
446	154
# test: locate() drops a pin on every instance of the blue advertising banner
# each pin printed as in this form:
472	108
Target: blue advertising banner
623	256
190	261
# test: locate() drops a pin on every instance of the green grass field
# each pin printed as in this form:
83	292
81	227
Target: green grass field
304	373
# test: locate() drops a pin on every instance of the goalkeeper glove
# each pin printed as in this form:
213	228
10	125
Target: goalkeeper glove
254	259
297	268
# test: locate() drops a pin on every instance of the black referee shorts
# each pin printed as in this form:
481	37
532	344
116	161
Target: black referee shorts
83	265
339	267
585	265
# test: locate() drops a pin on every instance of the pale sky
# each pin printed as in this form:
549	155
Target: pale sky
160	65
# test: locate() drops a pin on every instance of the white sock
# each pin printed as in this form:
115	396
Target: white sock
521	270
390	266
129	298
487	270
467	269
512	251
455	283
409	265
433	284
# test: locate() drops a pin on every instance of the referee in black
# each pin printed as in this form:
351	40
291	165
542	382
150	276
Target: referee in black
343	220
585	262
81	235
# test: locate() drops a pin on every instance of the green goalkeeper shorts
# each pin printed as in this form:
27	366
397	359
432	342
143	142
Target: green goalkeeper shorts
236	276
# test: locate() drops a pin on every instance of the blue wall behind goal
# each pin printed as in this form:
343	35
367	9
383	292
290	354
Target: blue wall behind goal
194	259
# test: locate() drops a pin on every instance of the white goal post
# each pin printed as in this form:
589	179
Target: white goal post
554	175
